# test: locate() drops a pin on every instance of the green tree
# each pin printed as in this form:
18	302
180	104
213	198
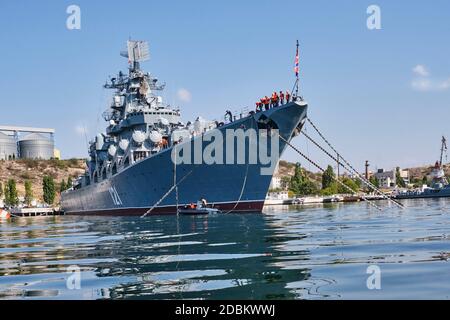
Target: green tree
69	183
358	182
301	184
1	190
28	193
48	188
285	181
11	197
349	183
6	193
399	179
373	180
62	186
330	190
328	177
425	180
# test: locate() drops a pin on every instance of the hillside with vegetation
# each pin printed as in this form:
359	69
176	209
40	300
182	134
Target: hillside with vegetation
418	173
300	181
32	173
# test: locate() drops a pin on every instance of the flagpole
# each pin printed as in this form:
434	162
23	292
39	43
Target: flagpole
297	73
297	78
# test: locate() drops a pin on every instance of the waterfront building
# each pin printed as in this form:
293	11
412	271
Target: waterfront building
275	183
386	179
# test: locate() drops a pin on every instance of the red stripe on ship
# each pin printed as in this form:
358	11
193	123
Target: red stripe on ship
242	207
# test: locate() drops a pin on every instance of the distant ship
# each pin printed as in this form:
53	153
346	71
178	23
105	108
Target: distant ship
130	170
439	185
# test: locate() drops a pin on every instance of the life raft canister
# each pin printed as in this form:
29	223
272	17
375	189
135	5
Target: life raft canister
4	214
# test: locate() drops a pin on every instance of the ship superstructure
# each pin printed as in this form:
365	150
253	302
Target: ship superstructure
140	123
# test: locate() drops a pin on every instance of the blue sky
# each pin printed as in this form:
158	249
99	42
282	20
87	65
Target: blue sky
381	95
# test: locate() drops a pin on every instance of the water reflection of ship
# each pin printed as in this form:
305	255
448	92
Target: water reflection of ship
250	266
439	185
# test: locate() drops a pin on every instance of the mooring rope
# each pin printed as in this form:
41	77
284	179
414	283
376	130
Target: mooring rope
323	170
166	194
350	168
244	183
345	167
175	178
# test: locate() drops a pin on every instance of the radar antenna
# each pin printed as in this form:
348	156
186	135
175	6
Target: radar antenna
137	51
443	148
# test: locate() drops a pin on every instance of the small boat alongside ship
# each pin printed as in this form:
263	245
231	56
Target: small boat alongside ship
198	211
199	208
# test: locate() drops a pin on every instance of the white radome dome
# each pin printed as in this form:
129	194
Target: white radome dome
155	137
164	121
138	136
123	144
112	150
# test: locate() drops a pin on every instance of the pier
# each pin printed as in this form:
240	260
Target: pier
36	212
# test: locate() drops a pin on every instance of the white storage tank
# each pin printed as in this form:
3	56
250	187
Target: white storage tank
8	147
36	146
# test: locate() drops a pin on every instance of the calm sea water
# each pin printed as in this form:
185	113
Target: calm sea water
318	252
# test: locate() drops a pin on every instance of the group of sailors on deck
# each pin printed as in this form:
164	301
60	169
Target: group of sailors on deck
275	100
266	103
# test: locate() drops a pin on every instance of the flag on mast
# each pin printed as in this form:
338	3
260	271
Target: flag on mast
296	68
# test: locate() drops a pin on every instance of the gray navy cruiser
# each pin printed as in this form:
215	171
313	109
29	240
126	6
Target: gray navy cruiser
130	170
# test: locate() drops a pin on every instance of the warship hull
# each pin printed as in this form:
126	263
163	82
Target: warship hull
434	193
237	188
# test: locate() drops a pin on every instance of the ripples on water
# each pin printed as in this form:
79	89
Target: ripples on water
287	253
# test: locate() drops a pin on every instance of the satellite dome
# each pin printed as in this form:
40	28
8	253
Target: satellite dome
155	137
138	136
123	144
112	150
